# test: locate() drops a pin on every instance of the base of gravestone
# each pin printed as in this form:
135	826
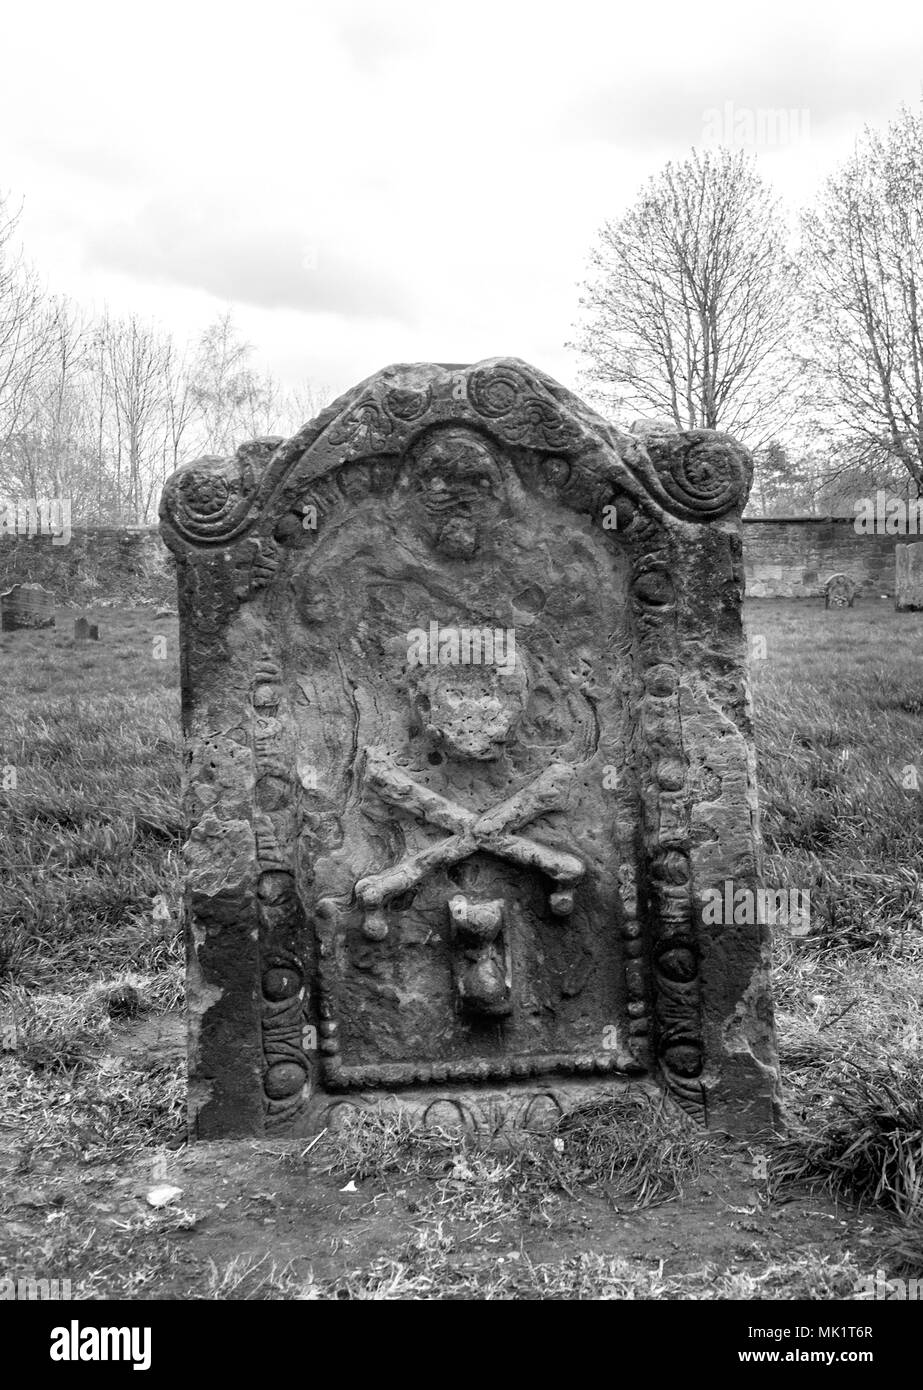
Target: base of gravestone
503	1113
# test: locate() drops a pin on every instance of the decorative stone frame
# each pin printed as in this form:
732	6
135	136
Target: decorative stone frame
699	1004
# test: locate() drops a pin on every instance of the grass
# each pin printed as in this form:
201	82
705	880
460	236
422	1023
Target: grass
631	1147
93	826
429	1267
90	944
840	756
870	1142
89	860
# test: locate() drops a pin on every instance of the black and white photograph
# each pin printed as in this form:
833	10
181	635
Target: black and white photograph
461	671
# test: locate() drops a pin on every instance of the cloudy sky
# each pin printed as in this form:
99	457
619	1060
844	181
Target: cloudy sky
365	183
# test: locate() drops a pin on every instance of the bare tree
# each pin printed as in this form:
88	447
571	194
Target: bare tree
304	403
61	399
43	456
24	336
689	310
228	394
103	411
236	402
137	361
180	418
863	250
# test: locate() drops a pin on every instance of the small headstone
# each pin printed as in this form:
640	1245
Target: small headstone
839	591
26	606
908	578
470	769
85	631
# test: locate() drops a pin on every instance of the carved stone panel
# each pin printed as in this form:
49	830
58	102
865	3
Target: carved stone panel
469	747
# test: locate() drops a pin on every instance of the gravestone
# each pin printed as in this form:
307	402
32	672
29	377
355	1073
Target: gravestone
839	591
469	764
908	578
26	606
85	631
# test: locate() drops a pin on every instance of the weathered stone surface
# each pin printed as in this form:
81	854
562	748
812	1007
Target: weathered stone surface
908	577
26	606
469	749
839	591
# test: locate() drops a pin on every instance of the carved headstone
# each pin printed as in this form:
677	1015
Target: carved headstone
85	631
470	756
839	591
26	606
908	577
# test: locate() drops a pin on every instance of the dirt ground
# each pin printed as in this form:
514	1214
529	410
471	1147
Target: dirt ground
271	1219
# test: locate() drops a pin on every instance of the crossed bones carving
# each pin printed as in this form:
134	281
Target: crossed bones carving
493	831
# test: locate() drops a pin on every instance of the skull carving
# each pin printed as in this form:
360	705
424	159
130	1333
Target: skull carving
469	711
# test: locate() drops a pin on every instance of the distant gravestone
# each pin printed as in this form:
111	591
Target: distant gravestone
26	606
84	631
908	578
470	783
839	591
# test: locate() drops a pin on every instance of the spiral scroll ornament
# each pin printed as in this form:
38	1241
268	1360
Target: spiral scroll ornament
210	501
495	393
707	476
206	500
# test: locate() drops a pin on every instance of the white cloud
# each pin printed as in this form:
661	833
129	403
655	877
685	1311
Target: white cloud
448	164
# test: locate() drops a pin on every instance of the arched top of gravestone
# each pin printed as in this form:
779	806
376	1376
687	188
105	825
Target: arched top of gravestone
695	476
840	582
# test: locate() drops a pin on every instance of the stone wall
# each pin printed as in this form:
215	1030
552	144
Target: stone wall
792	557
784	557
128	563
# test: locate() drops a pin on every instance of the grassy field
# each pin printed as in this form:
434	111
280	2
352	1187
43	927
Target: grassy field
624	1201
